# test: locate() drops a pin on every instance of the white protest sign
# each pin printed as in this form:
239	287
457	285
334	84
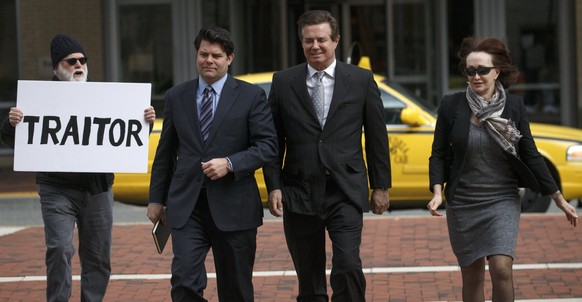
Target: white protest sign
82	127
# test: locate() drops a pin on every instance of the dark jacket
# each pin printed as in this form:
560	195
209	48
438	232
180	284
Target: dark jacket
92	182
450	145
242	130
307	153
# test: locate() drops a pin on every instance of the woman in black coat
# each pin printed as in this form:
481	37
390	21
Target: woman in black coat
483	150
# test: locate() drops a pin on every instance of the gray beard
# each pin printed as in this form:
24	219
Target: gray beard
65	75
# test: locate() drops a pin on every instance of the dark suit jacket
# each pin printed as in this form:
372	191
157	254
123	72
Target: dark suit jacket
242	130
309	151
450	145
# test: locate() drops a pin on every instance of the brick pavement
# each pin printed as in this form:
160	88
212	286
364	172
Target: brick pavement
389	242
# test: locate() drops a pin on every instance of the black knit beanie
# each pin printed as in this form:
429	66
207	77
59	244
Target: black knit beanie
63	45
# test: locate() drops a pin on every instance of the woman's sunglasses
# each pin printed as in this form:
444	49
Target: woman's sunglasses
481	71
73	61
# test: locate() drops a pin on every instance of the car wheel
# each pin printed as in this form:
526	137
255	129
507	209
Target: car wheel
533	202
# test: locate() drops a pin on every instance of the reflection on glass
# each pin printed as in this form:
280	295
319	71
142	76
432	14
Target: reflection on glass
9	53
534	44
460	24
146	45
392	108
410	39
404	90
368	29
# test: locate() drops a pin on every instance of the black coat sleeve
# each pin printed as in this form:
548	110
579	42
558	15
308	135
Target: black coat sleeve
7	133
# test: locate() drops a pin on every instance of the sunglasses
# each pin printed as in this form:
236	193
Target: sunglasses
73	61
481	71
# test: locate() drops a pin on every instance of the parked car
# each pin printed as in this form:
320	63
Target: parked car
410	123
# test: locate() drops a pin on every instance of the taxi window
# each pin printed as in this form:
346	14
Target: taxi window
392	108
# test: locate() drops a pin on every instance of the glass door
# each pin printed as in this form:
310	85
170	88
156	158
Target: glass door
534	45
363	33
146	45
151	41
411	43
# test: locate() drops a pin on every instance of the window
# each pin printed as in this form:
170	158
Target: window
8	61
412	40
459	26
368	28
534	47
392	108
8	54
147	46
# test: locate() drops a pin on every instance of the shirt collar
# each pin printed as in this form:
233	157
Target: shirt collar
330	70
217	86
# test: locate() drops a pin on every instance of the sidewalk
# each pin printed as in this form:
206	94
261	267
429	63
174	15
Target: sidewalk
404	258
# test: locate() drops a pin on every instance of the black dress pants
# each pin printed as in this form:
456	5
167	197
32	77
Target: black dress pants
305	235
234	257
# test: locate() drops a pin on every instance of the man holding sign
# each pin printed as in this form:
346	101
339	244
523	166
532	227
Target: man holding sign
67	198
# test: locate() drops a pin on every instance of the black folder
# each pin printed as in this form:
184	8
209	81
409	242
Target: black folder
161	233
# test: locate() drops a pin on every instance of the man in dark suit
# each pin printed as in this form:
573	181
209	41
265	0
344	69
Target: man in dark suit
323	181
212	141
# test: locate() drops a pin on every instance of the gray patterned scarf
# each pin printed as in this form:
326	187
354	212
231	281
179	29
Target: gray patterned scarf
502	130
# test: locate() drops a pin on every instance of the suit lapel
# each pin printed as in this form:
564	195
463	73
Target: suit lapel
227	99
188	100
462	118
340	88
508	107
298	83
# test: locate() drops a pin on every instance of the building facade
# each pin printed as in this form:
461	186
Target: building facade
413	42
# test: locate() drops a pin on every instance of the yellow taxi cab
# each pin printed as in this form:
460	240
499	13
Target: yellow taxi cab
410	124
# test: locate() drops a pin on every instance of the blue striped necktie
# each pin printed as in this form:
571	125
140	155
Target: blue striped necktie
206	111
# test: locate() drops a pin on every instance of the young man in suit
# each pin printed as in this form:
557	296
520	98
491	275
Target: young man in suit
319	108
217	131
